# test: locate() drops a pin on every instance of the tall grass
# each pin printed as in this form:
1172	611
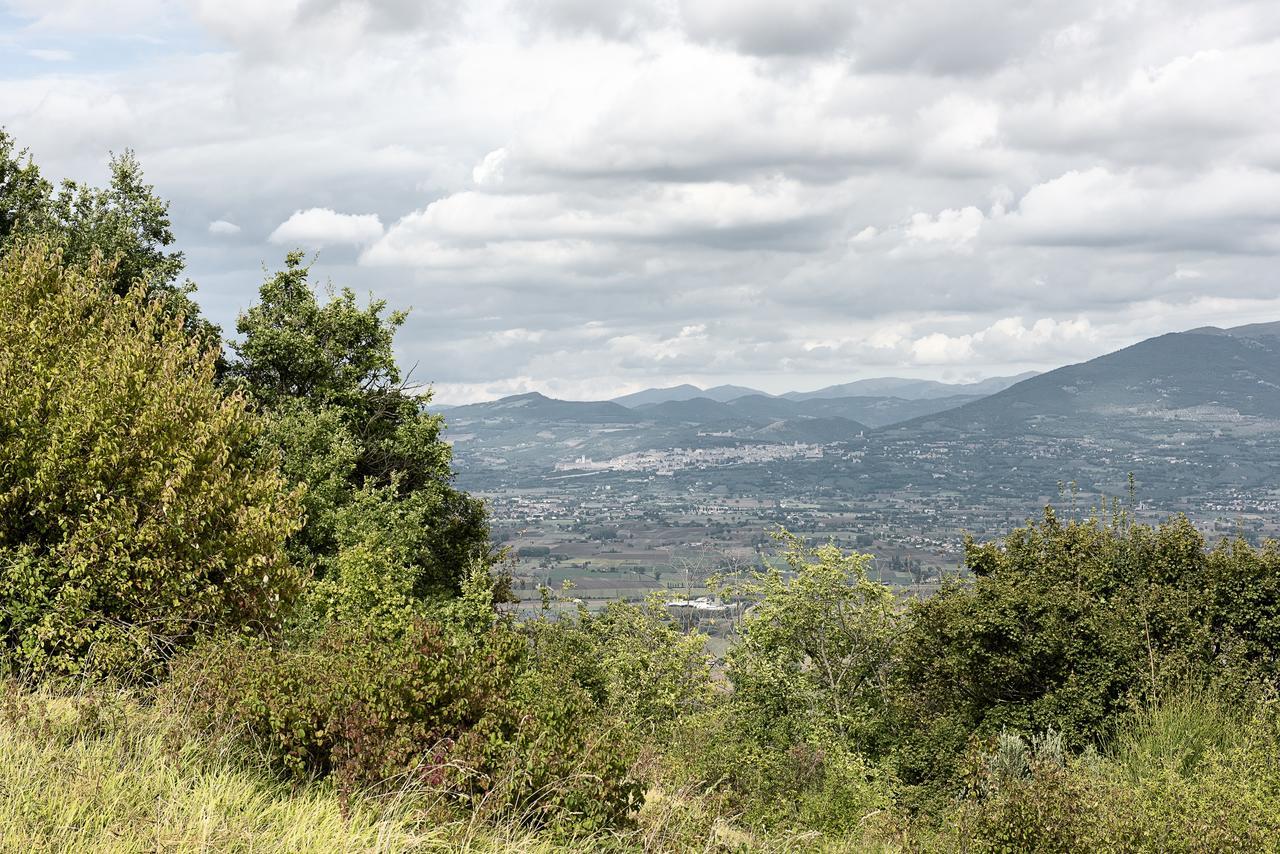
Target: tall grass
103	772
1182	732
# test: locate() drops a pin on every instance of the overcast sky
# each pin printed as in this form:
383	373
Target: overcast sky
585	198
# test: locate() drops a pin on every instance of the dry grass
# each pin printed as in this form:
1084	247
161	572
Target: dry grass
105	773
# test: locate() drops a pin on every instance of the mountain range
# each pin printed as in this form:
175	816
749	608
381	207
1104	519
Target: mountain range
1191	409
1205	374
898	387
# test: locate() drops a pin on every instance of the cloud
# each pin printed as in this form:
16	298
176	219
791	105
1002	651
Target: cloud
550	228
769	28
1009	339
317	227
953	229
51	54
822	190
617	19
1226	209
222	228
946	38
489	171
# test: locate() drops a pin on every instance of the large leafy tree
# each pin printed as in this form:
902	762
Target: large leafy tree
1071	625
24	194
381	510
125	221
135	508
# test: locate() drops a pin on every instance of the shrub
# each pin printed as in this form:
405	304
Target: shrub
1191	773
820	784
632	658
415	701
1074	625
133	510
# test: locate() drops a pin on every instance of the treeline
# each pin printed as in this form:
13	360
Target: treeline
263	533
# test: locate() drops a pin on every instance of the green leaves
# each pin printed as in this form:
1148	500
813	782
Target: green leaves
1072	625
134	509
348	430
817	646
125	223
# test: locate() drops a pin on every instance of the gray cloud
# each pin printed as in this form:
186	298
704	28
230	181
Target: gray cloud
770	29
585	198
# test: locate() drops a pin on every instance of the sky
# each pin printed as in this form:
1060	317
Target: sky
586	198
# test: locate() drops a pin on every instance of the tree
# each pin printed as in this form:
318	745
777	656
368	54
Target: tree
125	221
1074	625
355	434
816	648
135	510
24	194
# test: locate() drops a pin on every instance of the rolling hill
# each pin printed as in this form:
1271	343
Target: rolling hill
1205	375
910	389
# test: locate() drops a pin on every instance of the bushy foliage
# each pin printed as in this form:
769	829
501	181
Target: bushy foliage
354	435
633	660
134	509
1071	626
792	744
428	705
815	649
1187	774
125	223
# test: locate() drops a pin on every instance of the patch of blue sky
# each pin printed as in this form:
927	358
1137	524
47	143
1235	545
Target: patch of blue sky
35	51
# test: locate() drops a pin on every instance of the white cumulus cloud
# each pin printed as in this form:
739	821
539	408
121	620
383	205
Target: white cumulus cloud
953	228
318	227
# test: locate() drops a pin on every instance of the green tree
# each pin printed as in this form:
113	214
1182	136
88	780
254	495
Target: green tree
135	510
1073	625
816	648
125	221
24	194
356	436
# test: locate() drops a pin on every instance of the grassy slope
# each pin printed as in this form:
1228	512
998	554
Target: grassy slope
105	774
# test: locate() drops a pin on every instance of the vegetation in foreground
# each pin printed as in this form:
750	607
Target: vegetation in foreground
242	606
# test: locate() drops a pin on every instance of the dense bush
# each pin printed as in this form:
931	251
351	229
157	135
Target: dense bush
423	703
634	661
1188	774
134	509
353	433
1073	625
793	745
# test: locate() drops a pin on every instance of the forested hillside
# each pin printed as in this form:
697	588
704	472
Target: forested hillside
244	606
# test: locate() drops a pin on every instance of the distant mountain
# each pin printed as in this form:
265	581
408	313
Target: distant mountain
660	395
726	393
1204	375
700	411
910	389
720	393
765	406
1251	330
1193	417
534	407
870	411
